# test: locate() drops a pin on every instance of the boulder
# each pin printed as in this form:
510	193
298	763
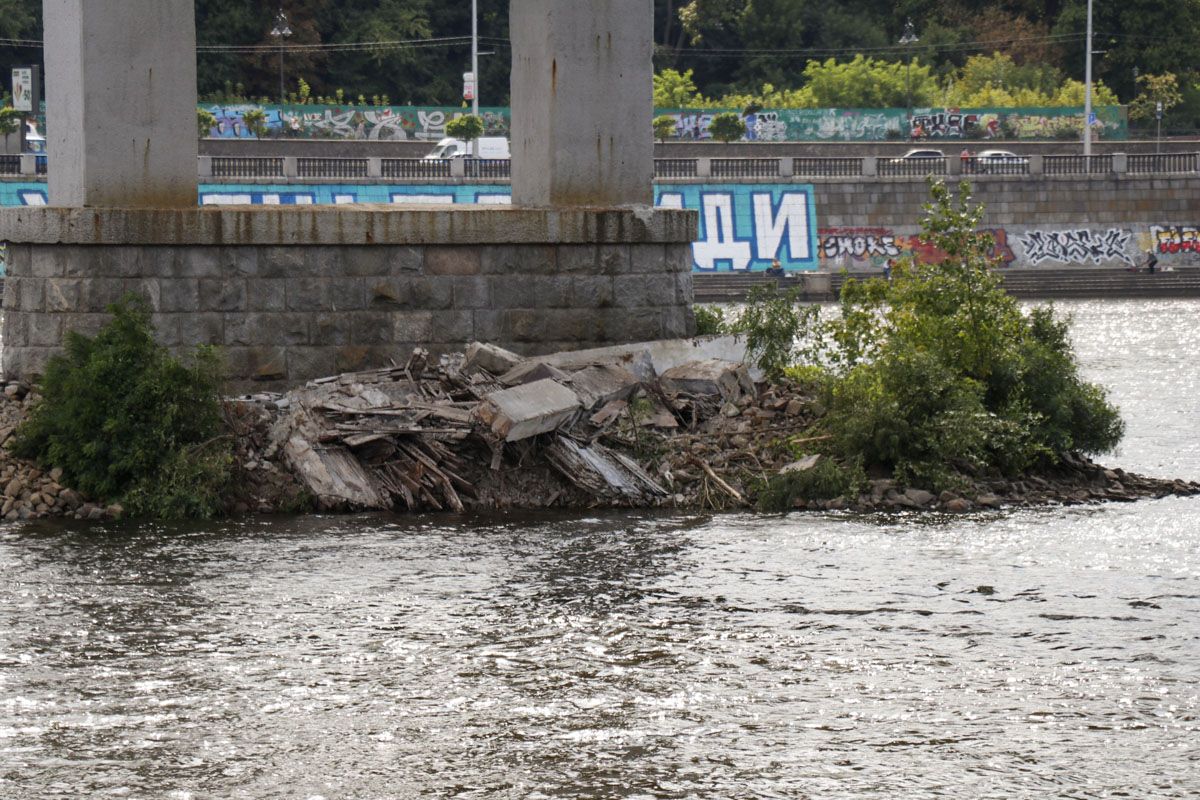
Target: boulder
919	496
803	465
989	500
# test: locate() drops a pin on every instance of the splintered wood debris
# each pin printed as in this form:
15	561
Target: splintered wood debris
450	434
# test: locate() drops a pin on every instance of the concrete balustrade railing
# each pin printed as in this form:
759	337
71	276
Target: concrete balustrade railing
242	168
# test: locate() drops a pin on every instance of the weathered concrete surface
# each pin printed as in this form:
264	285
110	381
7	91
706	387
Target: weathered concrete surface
364	224
121	102
709	377
582	102
288	304
527	410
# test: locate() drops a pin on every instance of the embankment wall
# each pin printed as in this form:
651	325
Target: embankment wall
839	223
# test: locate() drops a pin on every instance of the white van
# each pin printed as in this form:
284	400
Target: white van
484	147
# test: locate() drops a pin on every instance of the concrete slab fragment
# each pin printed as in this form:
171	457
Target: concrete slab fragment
527	410
709	378
603	383
491	358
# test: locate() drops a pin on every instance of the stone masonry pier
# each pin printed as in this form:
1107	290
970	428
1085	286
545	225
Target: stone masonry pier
292	293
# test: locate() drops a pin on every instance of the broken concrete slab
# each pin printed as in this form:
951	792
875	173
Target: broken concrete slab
531	371
600	384
635	361
527	410
709	378
662	355
490	358
331	474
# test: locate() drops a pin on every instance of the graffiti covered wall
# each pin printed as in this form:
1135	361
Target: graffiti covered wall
878	124
389	123
376	123
744	226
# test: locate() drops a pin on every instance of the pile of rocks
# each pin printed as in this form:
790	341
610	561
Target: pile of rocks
29	492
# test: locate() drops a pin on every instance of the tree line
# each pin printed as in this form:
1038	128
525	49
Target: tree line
789	52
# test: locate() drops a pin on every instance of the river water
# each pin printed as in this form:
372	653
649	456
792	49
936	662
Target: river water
1027	654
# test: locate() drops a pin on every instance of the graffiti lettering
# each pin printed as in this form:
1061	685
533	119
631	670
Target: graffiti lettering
378	123
858	244
1077	246
1175	238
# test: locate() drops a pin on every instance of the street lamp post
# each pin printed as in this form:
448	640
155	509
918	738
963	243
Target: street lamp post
1087	80
908	39
281	31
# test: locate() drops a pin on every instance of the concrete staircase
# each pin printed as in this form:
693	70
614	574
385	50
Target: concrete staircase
1080	282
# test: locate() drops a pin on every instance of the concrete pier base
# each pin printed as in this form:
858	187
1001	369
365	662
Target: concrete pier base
293	293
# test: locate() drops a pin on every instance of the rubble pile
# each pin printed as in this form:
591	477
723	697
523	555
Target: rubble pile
682	424
489	429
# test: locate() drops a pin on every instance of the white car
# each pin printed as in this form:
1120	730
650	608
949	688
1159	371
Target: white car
919	153
999	161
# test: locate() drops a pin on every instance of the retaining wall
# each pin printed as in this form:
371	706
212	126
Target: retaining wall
297	293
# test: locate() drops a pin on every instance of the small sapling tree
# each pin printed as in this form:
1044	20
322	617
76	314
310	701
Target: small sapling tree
468	128
205	122
255	121
727	127
664	127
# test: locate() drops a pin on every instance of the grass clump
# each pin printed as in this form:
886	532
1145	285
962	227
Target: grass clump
129	423
710	320
826	480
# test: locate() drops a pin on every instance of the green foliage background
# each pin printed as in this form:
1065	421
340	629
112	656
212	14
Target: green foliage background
733	47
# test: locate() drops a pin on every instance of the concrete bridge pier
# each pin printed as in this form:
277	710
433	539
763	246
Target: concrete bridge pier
293	293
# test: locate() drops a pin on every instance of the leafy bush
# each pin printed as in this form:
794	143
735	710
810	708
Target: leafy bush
774	322
710	320
825	481
467	127
205	122
255	121
727	127
664	127
128	422
939	368
10	120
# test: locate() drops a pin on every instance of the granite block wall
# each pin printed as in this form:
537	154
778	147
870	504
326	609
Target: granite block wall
284	314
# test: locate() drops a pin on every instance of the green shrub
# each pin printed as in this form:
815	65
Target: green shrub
128	422
825	481
255	121
664	127
774	323
710	320
10	120
727	127
940	368
205	122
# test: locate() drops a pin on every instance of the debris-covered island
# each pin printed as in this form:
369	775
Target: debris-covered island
679	424
932	389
